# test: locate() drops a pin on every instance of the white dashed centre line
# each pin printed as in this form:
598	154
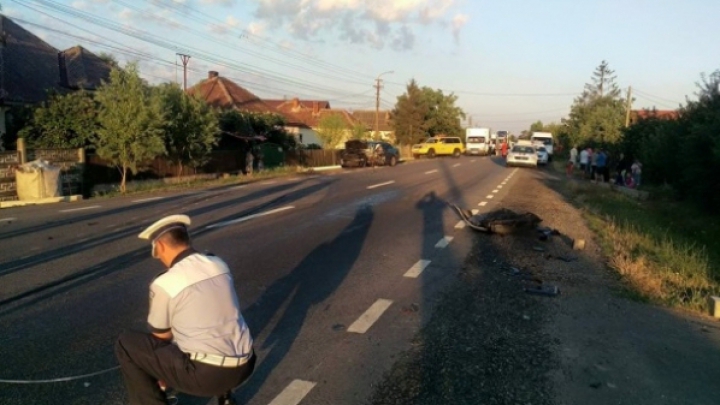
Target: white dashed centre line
92	207
7	219
293	393
460	225
380	185
238	187
146	199
366	320
490	196
431	171
475	211
442	243
496	191
249	217
499	187
483	203
472	161
417	268
456	165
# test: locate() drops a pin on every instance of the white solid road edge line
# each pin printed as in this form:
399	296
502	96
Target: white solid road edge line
81	209
380	185
366	320
7	219
460	225
442	243
431	171
249	217
293	393
146	199
417	268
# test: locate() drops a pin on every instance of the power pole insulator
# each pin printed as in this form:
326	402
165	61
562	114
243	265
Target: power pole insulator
185	60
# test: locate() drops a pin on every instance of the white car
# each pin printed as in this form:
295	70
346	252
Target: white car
522	155
542	155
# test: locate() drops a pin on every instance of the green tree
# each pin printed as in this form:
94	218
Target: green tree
332	129
190	126
64	122
536	126
249	124
408	116
359	131
597	116
443	117
130	121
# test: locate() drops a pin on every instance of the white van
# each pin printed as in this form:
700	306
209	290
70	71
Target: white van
477	141
544	139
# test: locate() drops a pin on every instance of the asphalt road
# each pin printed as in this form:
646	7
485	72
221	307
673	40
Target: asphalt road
335	273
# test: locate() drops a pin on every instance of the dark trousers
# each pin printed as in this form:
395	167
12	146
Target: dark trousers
145	359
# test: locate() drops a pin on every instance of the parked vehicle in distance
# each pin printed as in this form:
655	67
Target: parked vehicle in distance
542	154
439	145
369	153
477	141
544	139
522	154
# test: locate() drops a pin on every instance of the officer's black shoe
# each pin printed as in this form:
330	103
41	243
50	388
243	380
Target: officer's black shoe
226	399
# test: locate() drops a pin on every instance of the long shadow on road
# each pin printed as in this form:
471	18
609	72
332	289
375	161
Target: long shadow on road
64	251
123	261
310	283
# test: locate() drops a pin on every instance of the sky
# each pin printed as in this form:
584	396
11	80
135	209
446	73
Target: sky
510	62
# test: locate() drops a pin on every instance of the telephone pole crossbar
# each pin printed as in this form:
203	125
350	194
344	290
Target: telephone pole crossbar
185	60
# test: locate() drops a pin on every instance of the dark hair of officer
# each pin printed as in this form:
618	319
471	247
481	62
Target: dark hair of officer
176	237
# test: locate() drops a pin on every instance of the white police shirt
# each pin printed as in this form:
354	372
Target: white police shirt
196	299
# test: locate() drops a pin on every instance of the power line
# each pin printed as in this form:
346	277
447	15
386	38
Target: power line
475	93
655	97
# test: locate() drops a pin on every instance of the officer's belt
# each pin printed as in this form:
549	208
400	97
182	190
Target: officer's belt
220	361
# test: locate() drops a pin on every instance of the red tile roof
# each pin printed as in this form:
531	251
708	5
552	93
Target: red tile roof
660	114
224	93
295	103
367	117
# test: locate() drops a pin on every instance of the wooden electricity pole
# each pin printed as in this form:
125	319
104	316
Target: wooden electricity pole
628	107
185	59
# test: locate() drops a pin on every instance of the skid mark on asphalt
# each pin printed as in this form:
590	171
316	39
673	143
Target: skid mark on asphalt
366	320
293	393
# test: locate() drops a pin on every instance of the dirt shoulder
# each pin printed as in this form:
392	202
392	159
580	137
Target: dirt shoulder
490	342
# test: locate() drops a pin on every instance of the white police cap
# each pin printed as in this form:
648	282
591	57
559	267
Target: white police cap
164	225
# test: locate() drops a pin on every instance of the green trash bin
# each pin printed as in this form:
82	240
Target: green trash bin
272	155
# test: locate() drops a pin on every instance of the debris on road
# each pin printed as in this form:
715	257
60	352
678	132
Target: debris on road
547	290
502	221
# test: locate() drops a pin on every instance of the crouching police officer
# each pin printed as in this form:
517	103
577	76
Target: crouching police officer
199	343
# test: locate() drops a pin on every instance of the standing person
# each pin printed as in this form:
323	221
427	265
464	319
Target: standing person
199	342
636	170
573	160
593	164
584	160
504	149
249	162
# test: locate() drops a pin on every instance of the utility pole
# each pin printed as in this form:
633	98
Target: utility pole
378	86
470	121
185	59
628	106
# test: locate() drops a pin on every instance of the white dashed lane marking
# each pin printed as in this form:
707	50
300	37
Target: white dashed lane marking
7	219
431	171
483	203
249	217
475	211
92	207
417	268
293	393
472	161
366	320
499	187
495	191
380	185
456	165
442	243
490	196
147	199
460	225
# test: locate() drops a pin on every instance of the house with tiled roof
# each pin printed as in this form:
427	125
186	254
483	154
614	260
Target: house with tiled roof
637	115
30	68
385	128
309	114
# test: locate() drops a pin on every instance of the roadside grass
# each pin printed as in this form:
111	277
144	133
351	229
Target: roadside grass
664	250
149	186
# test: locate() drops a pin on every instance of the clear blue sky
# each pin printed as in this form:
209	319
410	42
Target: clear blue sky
511	62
